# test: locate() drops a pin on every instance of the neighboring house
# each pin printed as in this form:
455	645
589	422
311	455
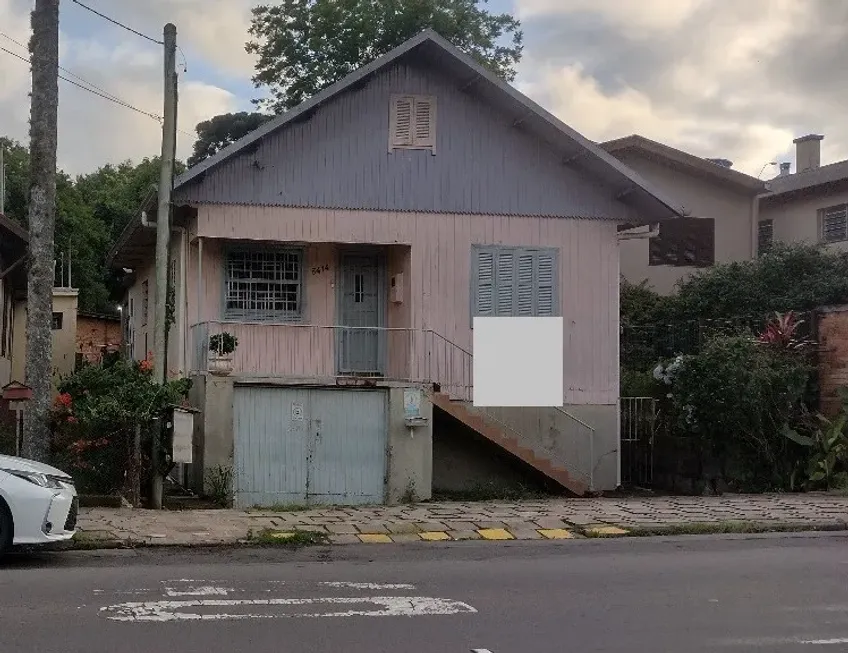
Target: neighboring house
348	243
96	335
809	205
719	202
14	241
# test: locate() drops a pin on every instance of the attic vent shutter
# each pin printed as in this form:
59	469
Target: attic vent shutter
425	119
402	121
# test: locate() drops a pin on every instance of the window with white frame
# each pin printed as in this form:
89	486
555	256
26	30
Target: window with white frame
412	122
514	281
263	285
833	223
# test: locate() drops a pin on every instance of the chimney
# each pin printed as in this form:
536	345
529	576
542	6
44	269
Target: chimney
807	152
784	168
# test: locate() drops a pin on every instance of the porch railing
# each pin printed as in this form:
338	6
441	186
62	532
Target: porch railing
320	352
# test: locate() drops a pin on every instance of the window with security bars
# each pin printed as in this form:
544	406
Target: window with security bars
765	235
834	223
514	282
263	285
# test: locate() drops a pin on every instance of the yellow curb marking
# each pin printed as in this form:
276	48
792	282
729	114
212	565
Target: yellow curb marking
606	530
434	536
556	533
495	534
374	538
282	535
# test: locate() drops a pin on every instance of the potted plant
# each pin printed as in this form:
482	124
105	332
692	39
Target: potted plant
221	348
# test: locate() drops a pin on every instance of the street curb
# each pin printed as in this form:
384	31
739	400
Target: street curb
571	532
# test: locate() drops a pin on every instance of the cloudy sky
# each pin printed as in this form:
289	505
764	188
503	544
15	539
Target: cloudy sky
719	78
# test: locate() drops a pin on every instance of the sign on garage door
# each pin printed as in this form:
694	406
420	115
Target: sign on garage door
299	445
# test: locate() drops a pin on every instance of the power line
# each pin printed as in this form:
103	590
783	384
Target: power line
99	92
115	22
65	70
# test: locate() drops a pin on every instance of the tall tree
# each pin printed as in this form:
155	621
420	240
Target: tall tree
44	47
302	46
216	133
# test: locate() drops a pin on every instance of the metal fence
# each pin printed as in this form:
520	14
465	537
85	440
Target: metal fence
642	345
639	420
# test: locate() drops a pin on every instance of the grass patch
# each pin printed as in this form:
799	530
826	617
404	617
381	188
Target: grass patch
91	540
289	539
722	528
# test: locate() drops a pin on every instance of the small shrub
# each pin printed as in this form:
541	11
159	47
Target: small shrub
95	416
733	398
220	482
223	344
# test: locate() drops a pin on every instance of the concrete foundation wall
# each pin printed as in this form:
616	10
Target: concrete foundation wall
410	460
566	442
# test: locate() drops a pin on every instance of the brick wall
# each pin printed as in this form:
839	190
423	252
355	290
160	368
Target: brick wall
95	333
832	336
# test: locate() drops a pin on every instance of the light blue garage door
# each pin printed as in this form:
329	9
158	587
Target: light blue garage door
305	445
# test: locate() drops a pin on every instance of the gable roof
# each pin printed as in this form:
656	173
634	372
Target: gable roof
682	159
829	174
580	152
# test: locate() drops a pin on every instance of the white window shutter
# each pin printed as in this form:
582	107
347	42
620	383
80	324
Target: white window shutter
424	133
485	282
401	122
545	285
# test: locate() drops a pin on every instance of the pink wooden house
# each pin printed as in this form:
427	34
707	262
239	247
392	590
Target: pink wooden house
348	243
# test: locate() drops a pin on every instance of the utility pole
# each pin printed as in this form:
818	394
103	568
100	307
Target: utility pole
44	108
163	245
2	180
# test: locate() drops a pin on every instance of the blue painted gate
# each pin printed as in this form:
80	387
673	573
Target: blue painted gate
309	446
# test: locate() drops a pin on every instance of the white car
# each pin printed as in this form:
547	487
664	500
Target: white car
38	503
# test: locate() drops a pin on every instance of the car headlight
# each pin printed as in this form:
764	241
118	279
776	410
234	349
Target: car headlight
42	480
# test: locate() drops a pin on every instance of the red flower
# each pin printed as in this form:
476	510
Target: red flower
146	365
72	419
64	399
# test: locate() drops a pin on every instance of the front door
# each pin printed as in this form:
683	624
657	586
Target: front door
361	338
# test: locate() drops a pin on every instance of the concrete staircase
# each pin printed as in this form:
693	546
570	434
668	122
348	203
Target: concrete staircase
509	440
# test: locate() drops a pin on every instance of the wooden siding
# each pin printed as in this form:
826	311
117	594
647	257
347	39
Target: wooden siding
434	253
338	158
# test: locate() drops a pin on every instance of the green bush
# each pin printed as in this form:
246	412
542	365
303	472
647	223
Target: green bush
733	399
95	418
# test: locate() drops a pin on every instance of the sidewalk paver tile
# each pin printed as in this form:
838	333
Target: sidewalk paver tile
345	538
525	534
495	534
556	533
374	538
434	536
464	535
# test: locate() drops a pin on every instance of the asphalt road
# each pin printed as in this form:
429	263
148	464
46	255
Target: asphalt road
636	595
